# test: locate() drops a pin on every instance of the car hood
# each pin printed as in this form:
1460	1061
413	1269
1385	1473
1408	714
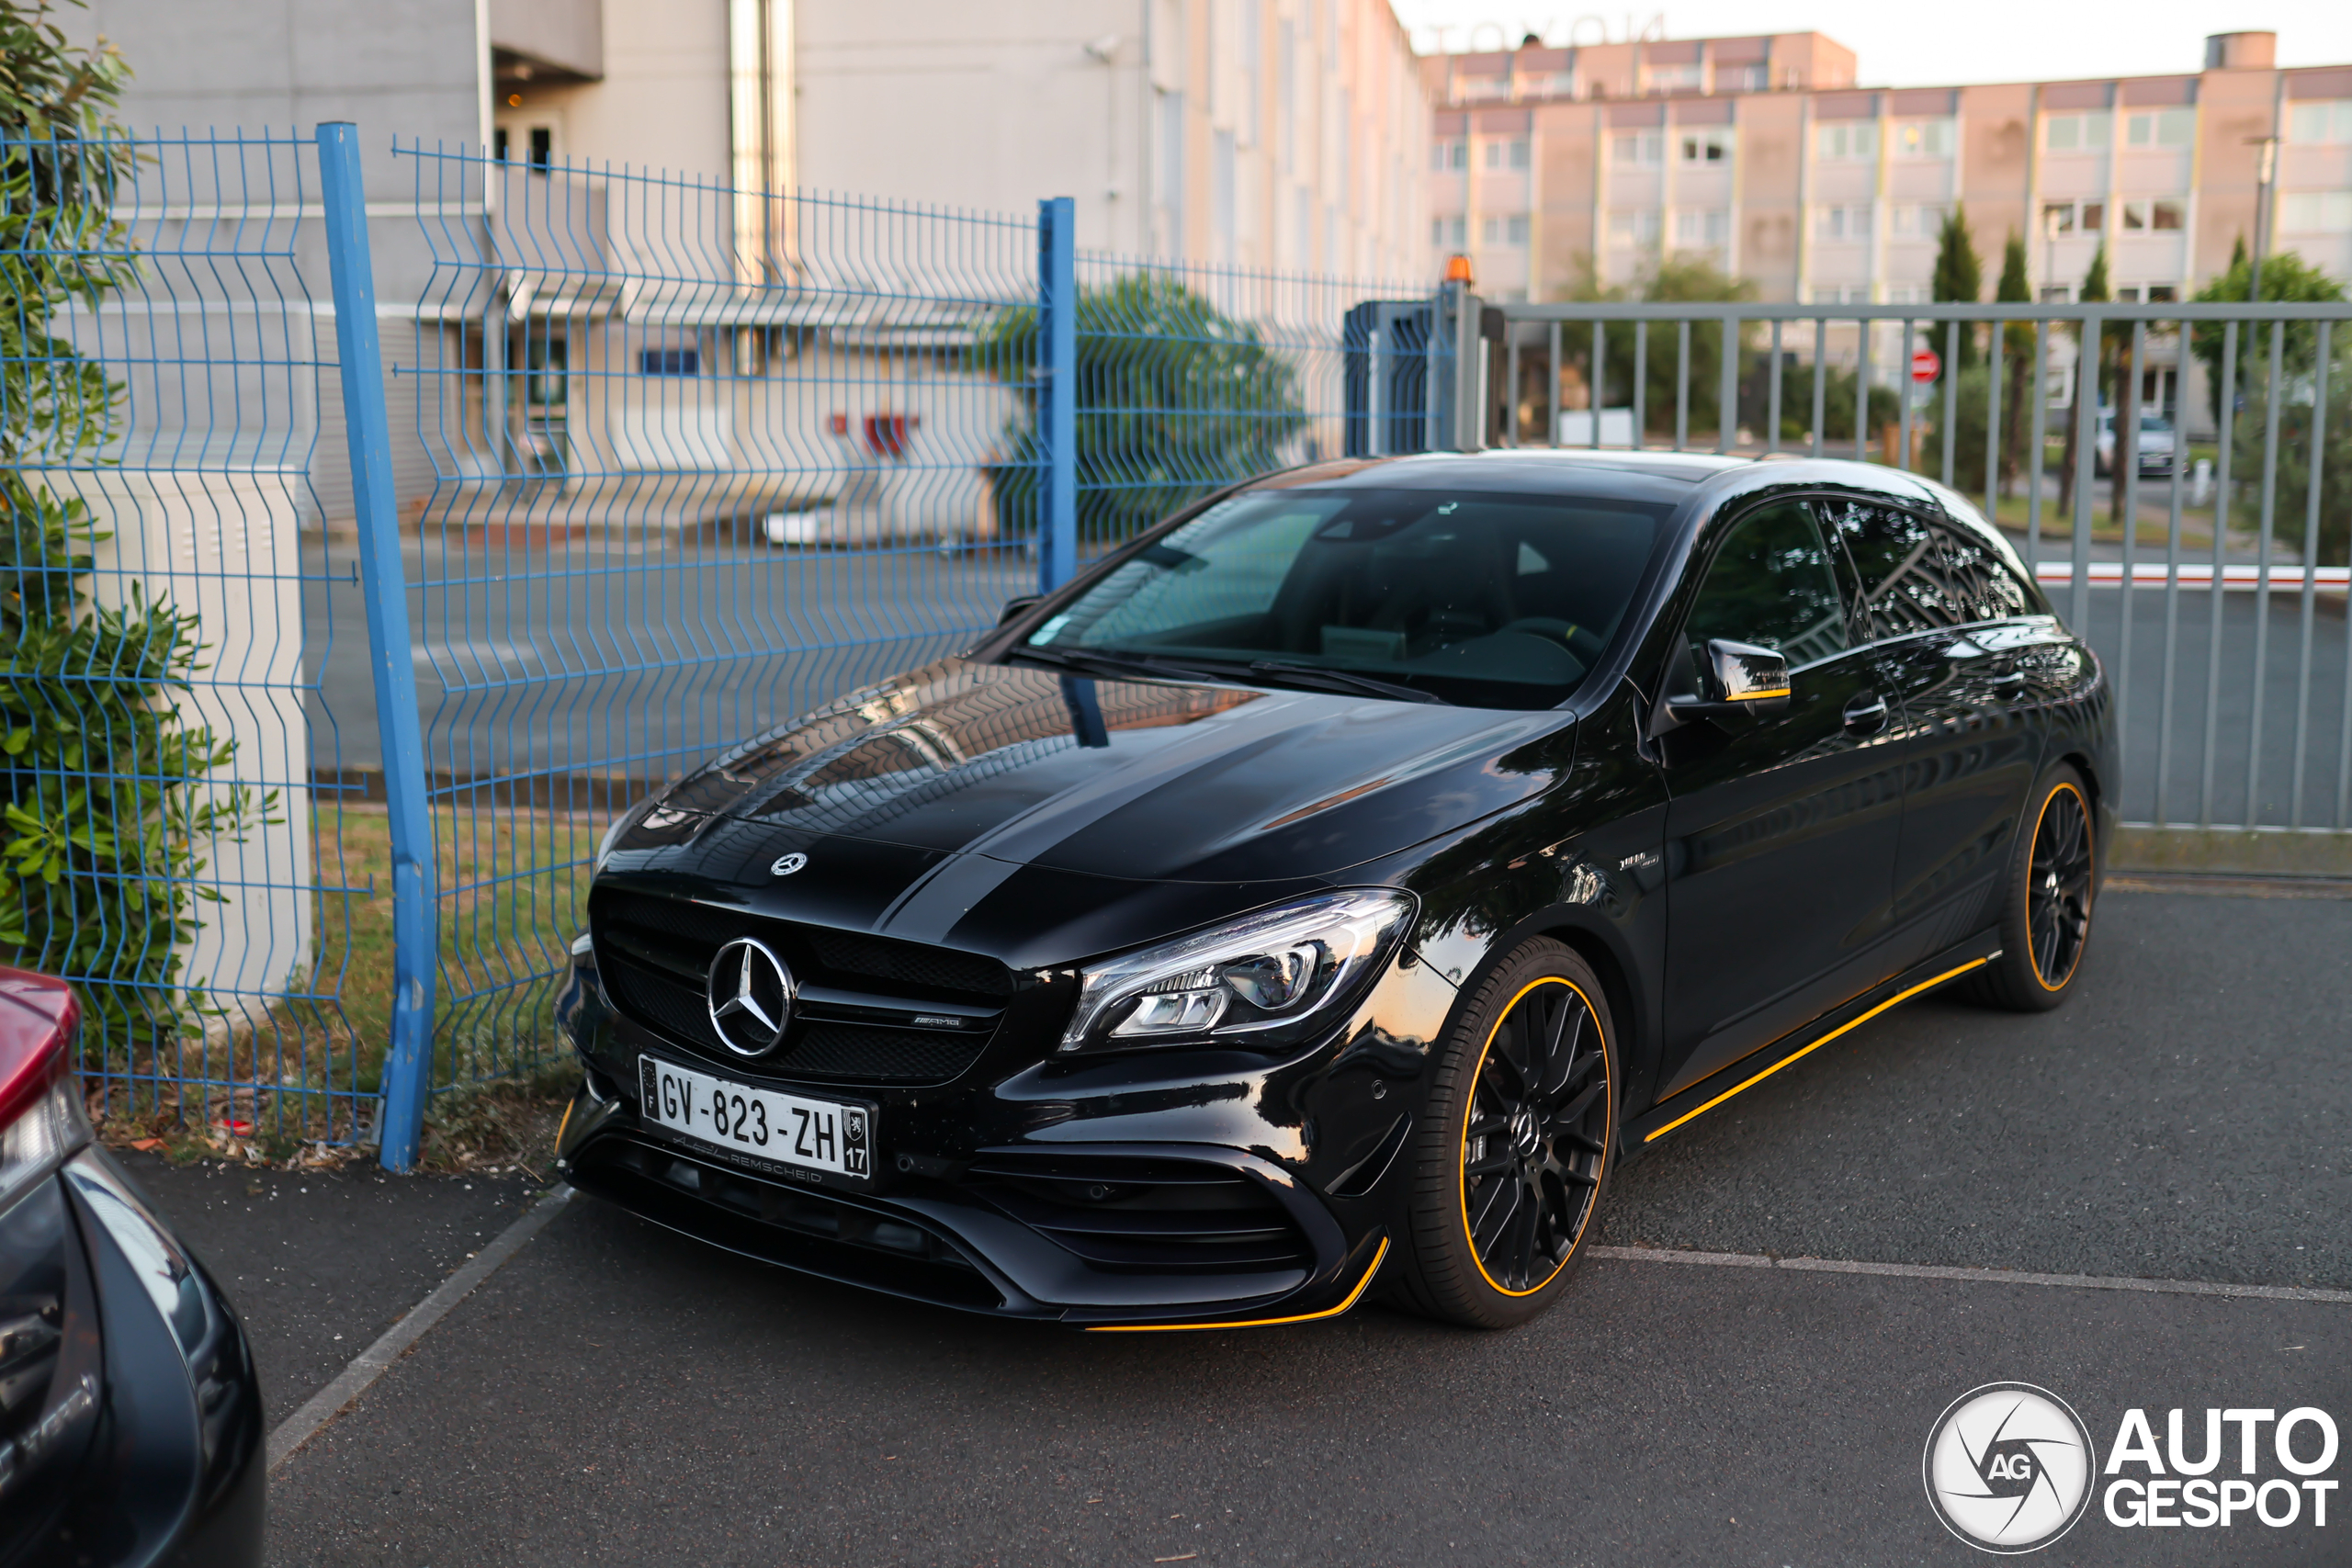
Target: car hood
1136	780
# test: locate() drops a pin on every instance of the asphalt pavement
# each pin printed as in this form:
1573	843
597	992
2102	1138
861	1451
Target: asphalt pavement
619	1393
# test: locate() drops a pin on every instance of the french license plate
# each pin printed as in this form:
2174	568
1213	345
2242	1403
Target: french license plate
790	1129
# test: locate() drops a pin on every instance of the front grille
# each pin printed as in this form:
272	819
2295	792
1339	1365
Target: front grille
653	953
1139	1214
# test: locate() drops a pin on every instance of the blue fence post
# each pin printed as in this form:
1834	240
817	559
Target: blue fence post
384	587
1058	391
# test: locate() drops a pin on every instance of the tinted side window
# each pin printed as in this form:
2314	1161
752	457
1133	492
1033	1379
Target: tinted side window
1772	584
1900	558
1986	585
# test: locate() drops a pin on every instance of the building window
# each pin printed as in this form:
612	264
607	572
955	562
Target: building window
1635	228
1711	146
1915	220
2165	215
1742	78
2160	128
2085	132
2316	212
1923	139
2326	120
1905	294
669	361
1708	229
1670	78
1638	147
1484	87
2073	217
1509	153
1504	231
2163	293
1841	224
1846	141
1454	154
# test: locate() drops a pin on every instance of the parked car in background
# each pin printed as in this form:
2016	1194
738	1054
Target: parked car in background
2158	450
130	1421
1329	889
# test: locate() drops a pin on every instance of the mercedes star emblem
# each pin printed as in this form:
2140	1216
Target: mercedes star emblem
786	864
749	996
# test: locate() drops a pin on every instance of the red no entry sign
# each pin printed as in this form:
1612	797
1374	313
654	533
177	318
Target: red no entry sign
1925	364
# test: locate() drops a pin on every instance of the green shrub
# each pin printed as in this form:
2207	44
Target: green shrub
99	826
1174	398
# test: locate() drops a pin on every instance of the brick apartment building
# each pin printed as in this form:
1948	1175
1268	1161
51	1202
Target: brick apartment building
1762	154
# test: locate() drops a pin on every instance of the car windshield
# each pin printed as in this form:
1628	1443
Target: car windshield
1481	599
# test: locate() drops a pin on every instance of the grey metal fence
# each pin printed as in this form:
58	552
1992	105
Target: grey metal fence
2179	476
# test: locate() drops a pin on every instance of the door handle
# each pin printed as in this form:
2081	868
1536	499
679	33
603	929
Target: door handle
1866	713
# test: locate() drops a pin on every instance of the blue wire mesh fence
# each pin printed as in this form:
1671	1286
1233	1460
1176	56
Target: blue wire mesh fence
702	461
165	623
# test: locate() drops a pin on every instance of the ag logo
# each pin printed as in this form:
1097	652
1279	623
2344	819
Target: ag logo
786	864
2008	1468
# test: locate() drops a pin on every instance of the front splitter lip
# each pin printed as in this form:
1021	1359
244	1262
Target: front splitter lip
1343	1270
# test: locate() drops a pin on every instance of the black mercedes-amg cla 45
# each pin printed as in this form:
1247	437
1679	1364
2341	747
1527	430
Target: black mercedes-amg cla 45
1324	891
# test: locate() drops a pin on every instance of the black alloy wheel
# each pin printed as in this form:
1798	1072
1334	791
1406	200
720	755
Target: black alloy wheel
2058	887
1517	1145
2046	901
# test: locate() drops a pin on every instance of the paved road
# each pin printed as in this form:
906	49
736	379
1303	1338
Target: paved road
591	659
642	659
619	1393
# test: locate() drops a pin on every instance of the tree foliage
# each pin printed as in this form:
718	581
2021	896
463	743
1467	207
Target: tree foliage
2287	279
1174	398
1959	277
1679	279
99	827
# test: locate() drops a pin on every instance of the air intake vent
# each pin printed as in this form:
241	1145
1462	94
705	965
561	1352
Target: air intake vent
1145	1215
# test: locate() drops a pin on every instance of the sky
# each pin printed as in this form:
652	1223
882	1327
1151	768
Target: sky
1926	45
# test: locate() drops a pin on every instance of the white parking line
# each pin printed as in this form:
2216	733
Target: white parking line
377	1360
1974	1276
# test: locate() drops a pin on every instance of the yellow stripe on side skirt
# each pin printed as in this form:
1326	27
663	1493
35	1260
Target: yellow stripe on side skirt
1800	1055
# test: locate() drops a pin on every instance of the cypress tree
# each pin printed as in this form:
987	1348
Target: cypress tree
2090	371
2014	288
1959	277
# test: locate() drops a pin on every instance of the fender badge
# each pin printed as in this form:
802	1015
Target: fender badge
786	864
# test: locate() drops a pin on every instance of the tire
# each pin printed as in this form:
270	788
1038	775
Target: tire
1524	1084
2046	896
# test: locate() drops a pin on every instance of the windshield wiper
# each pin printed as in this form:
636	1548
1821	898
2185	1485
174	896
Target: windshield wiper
1224	669
1088	661
1343	681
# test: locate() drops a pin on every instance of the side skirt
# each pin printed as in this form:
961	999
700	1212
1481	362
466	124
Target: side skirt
1757	1066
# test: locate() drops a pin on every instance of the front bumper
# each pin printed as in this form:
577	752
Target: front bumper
1191	1190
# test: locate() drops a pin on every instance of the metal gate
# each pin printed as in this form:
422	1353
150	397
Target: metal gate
2178	476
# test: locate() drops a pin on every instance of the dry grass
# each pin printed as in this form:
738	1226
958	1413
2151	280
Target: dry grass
293	1086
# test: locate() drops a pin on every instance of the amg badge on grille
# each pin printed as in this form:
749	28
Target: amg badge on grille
749	996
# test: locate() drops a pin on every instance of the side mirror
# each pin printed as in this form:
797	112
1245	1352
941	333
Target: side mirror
1016	608
1742	682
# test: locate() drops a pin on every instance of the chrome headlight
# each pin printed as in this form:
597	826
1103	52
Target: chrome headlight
1265	981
